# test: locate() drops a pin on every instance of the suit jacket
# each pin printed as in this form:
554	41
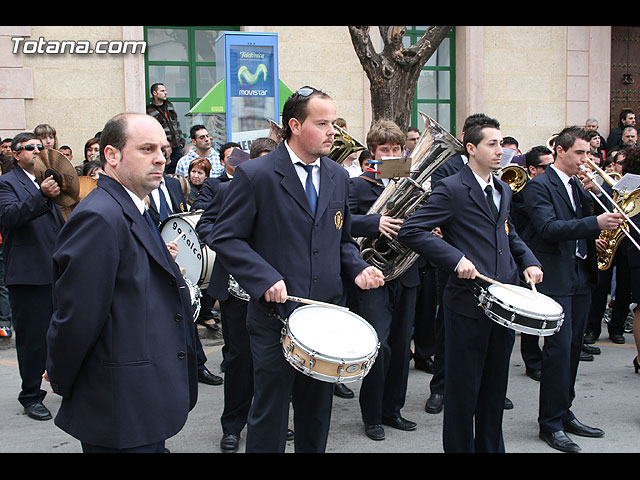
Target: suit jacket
207	191
363	192
29	224
266	231
219	282
178	202
451	166
554	229
121	339
459	207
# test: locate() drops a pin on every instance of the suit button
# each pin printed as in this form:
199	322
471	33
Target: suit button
181	355
315	251
178	317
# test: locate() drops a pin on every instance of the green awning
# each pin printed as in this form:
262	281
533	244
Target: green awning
214	101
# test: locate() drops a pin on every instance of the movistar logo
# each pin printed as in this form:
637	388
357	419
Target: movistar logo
252	78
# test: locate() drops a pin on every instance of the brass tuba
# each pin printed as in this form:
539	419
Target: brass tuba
403	196
514	175
343	145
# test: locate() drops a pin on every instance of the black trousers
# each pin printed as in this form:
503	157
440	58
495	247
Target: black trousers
32	307
477	353
561	356
390	310
238	365
276	385
151	448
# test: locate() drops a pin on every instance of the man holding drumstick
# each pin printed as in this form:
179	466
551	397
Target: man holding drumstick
284	230
477	239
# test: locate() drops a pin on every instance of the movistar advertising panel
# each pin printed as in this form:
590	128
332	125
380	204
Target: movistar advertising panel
249	64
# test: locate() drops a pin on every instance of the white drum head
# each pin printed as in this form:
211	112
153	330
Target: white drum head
526	300
182	229
333	332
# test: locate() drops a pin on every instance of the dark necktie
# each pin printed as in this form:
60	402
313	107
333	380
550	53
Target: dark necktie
155	232
310	189
164	209
492	206
582	243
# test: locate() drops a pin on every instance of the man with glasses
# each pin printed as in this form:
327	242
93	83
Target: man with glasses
285	229
29	224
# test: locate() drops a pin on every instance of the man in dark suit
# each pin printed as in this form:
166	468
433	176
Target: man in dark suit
122	339
285	228
166	200
477	238
563	233
29	224
238	364
390	309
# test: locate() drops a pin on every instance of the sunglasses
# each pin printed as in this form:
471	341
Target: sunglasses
305	91
30	147
544	167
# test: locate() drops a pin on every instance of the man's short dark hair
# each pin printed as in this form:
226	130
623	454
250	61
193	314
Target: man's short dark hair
532	157
474	132
225	146
195	129
568	136
296	107
155	87
114	133
262	145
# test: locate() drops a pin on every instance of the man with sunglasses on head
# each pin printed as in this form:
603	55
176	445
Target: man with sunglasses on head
285	229
29	224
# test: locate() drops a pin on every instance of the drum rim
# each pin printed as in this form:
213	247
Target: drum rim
528	313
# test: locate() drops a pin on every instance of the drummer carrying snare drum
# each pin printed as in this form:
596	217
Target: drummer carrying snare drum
477	238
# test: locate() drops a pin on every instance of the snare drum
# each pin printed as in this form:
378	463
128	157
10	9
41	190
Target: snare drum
195	259
329	344
522	309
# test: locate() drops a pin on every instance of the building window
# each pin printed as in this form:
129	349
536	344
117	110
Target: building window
435	92
184	59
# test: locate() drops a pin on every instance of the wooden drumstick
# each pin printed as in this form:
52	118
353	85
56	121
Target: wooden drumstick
496	282
315	302
535	290
177	238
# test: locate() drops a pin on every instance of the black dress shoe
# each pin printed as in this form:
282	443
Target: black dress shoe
424	365
205	376
577	428
434	404
342	391
590	337
616	338
590	349
38	411
229	443
290	435
586	357
374	432
534	374
508	404
400	423
560	441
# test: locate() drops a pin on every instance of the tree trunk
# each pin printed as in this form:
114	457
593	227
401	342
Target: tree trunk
393	73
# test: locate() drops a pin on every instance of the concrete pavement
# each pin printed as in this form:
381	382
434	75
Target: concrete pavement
607	396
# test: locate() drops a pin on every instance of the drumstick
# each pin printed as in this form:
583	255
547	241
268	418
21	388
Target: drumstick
177	238
495	282
315	302
535	290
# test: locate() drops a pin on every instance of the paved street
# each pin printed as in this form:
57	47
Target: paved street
607	396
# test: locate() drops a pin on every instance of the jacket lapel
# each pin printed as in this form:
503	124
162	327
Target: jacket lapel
475	192
560	188
290	179
139	226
